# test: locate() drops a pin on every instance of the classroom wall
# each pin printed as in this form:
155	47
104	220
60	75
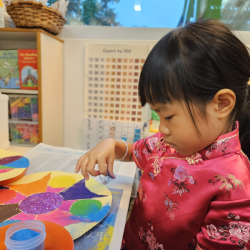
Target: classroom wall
75	38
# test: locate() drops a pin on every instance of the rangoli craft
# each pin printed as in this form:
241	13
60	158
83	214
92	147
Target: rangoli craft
63	198
12	167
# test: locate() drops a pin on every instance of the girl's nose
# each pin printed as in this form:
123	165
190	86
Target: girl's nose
164	130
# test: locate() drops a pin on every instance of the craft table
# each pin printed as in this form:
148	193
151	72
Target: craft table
124	180
20	149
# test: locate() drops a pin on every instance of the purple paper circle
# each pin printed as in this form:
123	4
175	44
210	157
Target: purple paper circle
41	203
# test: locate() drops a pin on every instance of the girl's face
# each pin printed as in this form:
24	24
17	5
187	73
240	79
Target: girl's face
179	129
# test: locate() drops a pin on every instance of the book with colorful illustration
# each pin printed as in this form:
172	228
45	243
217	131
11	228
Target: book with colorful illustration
28	68
9	69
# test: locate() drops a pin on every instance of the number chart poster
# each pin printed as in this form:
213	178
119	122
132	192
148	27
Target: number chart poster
99	237
111	81
95	130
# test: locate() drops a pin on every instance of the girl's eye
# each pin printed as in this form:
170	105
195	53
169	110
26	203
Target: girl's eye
168	118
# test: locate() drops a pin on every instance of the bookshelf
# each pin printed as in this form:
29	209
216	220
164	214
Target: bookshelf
50	78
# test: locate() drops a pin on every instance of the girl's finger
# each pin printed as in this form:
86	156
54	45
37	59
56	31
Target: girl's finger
93	172
83	170
102	166
110	165
91	169
78	164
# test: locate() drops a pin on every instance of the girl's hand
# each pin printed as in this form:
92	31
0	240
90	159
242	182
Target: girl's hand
102	154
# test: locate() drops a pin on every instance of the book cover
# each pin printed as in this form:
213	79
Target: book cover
9	69
28	68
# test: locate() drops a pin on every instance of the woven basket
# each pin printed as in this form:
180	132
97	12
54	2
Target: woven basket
30	14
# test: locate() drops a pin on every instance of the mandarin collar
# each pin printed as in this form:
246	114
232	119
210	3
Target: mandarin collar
224	144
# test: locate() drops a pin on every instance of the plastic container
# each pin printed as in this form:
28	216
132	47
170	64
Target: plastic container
24	107
34	108
4	128
2	11
24	132
36	243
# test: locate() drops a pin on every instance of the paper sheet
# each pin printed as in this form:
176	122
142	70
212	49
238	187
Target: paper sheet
48	158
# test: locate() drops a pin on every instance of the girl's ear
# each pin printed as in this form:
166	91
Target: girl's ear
223	103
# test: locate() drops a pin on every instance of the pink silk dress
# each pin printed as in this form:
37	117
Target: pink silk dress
196	202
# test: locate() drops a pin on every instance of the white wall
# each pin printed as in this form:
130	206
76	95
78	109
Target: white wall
75	38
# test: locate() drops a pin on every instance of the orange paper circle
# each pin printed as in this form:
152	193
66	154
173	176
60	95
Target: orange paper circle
57	237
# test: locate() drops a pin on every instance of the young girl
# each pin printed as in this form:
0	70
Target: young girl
195	189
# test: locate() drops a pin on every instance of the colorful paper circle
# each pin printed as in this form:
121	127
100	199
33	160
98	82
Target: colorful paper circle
62	198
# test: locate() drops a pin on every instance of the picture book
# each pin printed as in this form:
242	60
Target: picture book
9	69
28	69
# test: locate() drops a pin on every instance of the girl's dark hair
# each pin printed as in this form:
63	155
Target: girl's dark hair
193	63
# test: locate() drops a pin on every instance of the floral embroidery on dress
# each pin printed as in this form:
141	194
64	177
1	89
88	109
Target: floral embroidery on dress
145	151
180	180
161	144
147	147
170	206
157	166
152	142
156	143
229	182
148	238
141	195
236	232
136	152
193	159
233	216
221	145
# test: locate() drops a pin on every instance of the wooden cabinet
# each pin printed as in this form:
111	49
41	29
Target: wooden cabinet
50	78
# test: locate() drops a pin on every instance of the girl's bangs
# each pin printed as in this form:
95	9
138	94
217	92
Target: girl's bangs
159	81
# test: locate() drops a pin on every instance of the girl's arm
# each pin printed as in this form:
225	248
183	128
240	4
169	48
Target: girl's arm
104	155
120	150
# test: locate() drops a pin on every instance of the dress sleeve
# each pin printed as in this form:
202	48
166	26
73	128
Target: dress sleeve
143	149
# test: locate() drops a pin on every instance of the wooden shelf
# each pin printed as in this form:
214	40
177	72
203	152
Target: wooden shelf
25	34
23	121
18	38
19	91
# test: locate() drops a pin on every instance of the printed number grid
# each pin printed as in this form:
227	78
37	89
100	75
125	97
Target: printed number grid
112	88
95	130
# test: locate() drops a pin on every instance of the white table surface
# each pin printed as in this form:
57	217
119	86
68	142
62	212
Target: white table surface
19	149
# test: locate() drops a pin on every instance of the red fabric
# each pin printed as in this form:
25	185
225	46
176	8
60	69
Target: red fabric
183	201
